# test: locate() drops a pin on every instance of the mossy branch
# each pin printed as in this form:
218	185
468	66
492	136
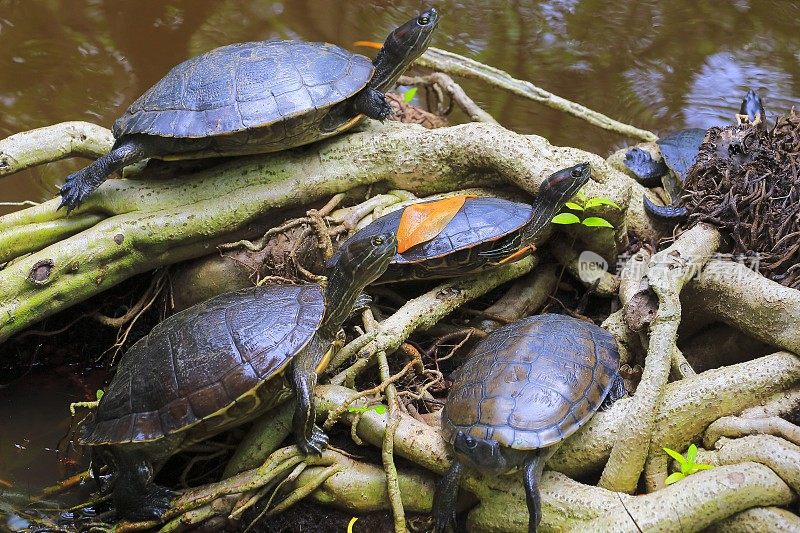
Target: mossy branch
164	221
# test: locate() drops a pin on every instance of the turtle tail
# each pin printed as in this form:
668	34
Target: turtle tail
667	213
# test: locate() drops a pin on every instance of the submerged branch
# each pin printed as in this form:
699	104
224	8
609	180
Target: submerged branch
457	65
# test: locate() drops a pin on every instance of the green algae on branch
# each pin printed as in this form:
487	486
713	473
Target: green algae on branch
158	222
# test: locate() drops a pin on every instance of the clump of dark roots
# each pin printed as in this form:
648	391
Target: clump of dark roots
746	181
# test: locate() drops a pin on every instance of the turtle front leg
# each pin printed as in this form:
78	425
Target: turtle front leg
616	392
372	102
81	183
444	499
308	435
135	495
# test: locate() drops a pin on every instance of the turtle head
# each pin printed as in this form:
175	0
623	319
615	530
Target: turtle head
402	47
364	260
356	264
483	454
555	191
564	184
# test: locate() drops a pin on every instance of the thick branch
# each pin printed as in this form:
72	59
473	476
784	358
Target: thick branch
45	145
457	65
171	220
667	273
748	301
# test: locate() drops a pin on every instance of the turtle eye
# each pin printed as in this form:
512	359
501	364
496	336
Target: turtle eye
471	443
422	21
377	240
576	173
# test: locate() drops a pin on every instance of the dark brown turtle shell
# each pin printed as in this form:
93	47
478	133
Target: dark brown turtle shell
206	364
532	383
249	86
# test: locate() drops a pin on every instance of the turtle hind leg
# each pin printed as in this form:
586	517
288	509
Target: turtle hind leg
372	102
310	437
81	183
531	473
444	500
135	495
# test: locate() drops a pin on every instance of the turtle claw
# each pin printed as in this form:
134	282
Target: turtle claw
73	192
316	444
385	110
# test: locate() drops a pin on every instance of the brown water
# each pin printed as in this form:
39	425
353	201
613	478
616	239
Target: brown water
658	65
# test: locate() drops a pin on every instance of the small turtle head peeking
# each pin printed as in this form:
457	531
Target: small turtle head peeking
483	454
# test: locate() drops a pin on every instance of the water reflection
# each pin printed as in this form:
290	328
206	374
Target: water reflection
657	65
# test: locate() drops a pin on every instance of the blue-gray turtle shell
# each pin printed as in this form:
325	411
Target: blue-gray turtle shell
247	86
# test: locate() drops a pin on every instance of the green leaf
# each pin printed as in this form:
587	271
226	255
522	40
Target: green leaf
580	196
594	202
691	454
380	409
357	409
99	394
566	218
573	205
676	476
701	466
675	455
596	222
409	95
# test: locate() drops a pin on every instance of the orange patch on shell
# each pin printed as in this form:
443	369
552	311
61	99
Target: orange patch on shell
420	223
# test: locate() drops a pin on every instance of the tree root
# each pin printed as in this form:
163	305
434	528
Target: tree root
456	65
698	500
667	273
758	520
780	455
736	426
52	143
734	294
688	408
160	222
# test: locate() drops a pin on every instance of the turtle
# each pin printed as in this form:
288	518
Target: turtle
255	97
524	388
677	153
219	364
485	232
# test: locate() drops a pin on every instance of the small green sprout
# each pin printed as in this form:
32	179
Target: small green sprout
380	409
688	466
585	203
409	95
99	394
